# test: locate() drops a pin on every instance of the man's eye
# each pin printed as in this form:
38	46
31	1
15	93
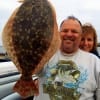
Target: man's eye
64	31
74	31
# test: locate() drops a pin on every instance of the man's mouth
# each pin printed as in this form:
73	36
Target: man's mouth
68	38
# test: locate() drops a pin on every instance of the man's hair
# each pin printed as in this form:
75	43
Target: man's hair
73	18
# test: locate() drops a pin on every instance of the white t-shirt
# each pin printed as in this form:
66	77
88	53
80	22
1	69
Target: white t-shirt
70	77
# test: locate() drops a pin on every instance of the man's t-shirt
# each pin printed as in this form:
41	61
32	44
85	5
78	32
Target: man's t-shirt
70	77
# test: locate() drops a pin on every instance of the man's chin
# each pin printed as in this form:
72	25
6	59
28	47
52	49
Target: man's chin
68	45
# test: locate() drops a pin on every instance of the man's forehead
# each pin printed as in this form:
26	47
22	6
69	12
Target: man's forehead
72	21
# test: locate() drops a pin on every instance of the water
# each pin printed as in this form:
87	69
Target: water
2	50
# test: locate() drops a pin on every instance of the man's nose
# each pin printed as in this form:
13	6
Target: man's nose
69	33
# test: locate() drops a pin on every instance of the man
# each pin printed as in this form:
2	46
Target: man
71	74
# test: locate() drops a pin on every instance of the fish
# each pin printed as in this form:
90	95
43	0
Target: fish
30	38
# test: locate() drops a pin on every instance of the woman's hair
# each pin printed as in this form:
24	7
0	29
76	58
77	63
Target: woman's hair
87	28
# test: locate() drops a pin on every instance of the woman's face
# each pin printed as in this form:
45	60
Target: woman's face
87	42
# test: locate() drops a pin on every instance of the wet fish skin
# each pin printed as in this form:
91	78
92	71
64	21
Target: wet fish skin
30	41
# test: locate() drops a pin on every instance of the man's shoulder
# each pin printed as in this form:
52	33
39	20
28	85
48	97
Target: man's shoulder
88	54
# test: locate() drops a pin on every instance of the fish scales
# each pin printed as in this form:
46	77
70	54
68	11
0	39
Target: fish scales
32	34
29	39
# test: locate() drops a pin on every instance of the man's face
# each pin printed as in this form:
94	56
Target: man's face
70	33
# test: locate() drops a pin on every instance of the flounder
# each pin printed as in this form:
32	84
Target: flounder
30	38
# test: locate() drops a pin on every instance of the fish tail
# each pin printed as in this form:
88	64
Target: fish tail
27	88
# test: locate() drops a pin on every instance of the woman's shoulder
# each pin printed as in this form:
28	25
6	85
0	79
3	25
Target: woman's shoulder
95	52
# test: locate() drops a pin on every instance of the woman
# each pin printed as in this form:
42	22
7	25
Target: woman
89	39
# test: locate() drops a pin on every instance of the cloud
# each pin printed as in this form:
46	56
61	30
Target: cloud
8	4
85	10
92	5
6	9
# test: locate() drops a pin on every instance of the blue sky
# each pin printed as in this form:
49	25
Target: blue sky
84	10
